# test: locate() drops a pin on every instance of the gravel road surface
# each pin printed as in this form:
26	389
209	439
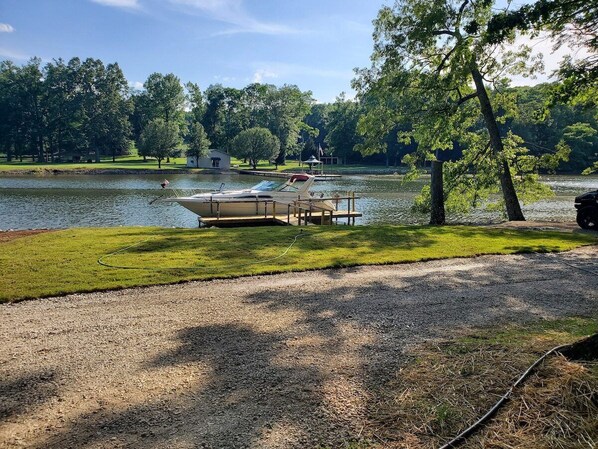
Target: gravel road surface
283	361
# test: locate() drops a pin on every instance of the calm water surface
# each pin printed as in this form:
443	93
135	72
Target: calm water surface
123	200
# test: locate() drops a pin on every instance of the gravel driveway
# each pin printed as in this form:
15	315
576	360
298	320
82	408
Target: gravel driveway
284	361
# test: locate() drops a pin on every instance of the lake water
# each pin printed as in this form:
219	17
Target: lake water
63	201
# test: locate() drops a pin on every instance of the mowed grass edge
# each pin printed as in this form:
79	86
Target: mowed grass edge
66	261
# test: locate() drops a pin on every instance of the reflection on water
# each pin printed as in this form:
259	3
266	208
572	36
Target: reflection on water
123	200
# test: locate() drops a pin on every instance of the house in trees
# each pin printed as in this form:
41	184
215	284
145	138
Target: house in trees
215	159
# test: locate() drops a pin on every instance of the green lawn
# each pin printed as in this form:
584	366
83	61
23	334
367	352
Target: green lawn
66	261
122	163
134	162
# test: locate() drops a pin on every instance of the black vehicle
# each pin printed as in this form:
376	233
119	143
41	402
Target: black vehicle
587	210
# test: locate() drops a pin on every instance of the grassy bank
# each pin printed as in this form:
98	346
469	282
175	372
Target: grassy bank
130	162
136	163
66	261
450	384
122	163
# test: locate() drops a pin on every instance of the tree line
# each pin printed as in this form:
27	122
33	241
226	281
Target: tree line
85	109
437	94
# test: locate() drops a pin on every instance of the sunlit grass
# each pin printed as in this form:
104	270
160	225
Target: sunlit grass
66	261
132	162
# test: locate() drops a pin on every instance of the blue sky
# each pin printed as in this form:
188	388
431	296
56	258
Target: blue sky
312	43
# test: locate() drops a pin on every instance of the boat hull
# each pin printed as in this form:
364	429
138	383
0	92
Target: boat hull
210	209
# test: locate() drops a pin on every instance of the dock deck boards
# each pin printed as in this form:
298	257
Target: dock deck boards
279	219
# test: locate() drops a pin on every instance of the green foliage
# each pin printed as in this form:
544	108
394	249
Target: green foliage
63	110
571	22
80	110
198	142
281	110
165	98
430	61
32	267
255	144
592	169
341	123
159	139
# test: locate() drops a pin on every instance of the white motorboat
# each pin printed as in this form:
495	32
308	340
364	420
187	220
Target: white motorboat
257	200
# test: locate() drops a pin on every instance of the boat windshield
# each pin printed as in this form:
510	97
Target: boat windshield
267	186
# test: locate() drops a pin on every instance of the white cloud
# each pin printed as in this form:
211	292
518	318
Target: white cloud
6	28
261	74
128	4
233	13
138	85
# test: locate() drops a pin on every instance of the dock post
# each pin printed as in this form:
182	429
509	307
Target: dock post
289	213
274	210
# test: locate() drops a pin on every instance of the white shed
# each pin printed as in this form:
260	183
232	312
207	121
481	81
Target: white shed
215	159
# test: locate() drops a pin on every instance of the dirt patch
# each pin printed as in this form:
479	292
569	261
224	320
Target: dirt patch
297	360
7	236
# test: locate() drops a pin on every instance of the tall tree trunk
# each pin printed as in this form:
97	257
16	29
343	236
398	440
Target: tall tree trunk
40	149
282	156
437	194
506	181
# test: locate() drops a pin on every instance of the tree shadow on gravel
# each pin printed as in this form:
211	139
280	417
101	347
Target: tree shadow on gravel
318	381
246	391
21	393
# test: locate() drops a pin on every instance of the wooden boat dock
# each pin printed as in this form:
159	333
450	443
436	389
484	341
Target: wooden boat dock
298	213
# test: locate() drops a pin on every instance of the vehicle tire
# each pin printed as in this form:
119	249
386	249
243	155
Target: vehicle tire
587	218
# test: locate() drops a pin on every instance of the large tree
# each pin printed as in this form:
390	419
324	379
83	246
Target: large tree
255	144
439	50
287	107
163	98
107	108
159	139
198	142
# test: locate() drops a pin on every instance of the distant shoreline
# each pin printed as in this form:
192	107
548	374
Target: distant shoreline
105	171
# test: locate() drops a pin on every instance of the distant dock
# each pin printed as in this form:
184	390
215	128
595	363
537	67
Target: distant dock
277	174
